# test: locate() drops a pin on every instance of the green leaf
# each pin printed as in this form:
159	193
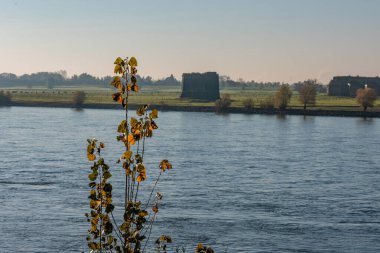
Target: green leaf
93	176
107	175
122	128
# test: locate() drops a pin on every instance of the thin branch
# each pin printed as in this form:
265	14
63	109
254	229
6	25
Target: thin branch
118	229
151	193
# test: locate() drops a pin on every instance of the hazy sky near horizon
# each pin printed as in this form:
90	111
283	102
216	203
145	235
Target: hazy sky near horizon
262	40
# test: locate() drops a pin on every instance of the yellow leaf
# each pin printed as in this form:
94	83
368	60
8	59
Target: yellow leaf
119	61
140	111
154	114
131	139
141	177
129	87
165	164
141	168
132	62
133	122
118	69
127	155
117	83
91	157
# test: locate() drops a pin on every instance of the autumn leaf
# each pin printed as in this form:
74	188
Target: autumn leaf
165	238
165	164
155	208
135	87
142	172
133	122
91	157
153	114
127	155
117	97
116	82
143	213
140	111
118	69
122	128
153	125
132	62
141	177
119	61
131	139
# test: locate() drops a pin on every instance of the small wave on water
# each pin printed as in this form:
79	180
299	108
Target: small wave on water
27	183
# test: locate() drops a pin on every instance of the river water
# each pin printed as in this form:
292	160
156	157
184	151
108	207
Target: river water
241	183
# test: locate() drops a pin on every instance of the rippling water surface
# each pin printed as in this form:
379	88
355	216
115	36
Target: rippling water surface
242	183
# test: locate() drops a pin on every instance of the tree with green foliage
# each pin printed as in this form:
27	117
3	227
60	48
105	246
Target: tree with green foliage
282	96
308	92
366	97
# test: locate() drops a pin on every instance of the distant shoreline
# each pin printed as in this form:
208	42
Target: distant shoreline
290	111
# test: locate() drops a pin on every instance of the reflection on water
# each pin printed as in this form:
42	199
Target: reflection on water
252	183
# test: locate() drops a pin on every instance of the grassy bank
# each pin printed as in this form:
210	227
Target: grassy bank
169	97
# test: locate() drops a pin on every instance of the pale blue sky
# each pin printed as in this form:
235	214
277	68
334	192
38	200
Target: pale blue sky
263	40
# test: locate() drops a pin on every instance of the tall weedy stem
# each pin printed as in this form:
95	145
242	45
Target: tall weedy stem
131	131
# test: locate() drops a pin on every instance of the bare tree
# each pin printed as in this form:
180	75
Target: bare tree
249	104
78	99
366	97
308	92
282	97
223	103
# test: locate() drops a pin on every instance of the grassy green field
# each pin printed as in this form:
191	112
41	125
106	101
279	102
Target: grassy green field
170	96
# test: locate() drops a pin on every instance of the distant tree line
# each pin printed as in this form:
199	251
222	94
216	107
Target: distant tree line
227	82
56	79
60	78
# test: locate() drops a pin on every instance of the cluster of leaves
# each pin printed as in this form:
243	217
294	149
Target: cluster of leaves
132	132
203	249
100	234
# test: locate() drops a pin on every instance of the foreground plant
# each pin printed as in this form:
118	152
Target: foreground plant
132	236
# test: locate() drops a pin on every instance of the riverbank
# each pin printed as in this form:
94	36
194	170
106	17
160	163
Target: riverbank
336	112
